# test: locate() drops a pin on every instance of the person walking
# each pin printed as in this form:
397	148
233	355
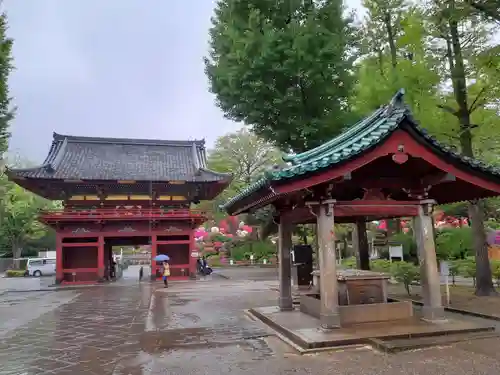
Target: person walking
166	273
141	273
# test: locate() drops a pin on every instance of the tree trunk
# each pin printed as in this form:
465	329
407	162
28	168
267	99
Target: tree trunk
16	253
362	245
484	283
390	38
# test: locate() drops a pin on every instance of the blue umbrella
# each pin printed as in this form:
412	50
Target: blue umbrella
161	258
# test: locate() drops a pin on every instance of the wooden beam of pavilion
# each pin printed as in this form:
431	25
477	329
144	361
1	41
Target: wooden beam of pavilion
353	209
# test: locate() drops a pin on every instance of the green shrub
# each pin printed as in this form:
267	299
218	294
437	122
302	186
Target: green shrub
454	270
15	273
495	271
406	273
454	243
381	265
260	249
348	263
467	268
214	261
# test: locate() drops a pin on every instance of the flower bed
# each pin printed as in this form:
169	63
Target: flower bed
15	273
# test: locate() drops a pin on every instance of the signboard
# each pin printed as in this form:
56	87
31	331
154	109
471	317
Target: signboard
396	251
195	254
444	268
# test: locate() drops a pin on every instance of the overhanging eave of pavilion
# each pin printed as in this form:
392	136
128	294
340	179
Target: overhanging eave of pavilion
390	132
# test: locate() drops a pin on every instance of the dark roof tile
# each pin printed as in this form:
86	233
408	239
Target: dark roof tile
90	158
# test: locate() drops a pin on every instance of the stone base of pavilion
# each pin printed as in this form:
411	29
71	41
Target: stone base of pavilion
302	331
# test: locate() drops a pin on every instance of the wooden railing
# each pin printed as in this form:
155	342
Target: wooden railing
122	213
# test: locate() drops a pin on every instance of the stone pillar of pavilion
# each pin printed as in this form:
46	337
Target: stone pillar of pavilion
329	295
285	265
360	242
430	280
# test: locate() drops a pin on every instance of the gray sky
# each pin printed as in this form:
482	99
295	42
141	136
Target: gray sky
111	68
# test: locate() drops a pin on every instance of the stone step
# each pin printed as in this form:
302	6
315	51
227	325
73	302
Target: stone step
403	344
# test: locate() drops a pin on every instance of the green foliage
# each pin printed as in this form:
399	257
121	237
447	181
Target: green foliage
19	211
467	268
454	268
406	273
219	237
15	273
260	250
454	243
381	265
6	111
495	271
284	68
348	263
214	261
245	156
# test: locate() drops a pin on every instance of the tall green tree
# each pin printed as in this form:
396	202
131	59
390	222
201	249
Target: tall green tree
488	8
285	68
19	211
6	110
469	57
246	156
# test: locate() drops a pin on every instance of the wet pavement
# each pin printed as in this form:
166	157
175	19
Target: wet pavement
195	327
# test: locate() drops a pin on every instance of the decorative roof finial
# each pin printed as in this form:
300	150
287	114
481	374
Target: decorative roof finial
396	102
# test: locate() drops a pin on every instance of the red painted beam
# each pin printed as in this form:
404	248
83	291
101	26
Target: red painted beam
79	270
390	146
80	244
347	209
176	242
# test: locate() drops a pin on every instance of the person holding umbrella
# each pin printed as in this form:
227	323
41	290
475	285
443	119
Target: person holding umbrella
166	273
166	267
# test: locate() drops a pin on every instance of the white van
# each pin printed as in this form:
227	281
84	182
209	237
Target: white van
41	267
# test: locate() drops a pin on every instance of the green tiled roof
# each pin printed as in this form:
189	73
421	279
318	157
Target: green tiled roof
360	137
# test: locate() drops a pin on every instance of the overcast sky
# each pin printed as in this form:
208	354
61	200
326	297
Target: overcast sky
111	68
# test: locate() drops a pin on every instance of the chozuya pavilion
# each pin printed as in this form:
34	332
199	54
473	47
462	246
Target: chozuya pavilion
385	166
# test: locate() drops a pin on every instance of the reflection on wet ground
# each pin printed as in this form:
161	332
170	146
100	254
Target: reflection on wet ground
191	328
116	329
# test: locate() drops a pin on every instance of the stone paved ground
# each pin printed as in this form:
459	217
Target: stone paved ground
190	328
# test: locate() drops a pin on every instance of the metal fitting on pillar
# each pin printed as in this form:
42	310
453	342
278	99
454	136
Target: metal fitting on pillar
428	206
330	203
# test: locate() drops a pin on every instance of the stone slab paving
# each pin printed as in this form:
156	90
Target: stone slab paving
194	328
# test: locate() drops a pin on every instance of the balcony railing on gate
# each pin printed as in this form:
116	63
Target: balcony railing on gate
122	214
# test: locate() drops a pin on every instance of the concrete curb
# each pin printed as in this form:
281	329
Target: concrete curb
454	310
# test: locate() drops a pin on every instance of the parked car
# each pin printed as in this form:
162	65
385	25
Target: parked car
41	267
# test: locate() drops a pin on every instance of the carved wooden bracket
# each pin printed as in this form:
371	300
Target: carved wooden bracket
421	193
375	194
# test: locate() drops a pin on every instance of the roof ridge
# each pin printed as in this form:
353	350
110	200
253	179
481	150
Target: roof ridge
133	141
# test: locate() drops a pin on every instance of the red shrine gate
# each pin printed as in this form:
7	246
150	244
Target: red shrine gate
122	192
85	240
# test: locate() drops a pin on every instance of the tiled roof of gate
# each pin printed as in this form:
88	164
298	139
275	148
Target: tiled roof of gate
92	158
356	140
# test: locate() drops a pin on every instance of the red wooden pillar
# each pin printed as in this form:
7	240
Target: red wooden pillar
153	256
192	260
100	258
59	258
